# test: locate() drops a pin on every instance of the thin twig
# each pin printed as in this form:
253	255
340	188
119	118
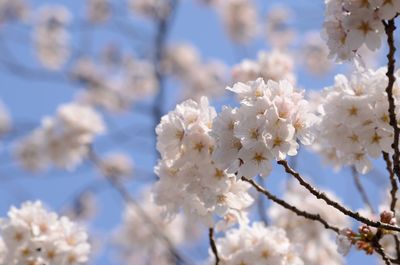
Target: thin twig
393	183
361	190
307	215
213	245
320	195
393	195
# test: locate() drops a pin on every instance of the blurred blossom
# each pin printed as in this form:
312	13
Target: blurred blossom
151	8
198	78
256	244
139	236
315	54
116	165
11	10
277	29
111	55
240	19
62	140
83	208
316	243
115	92
98	10
51	39
275	65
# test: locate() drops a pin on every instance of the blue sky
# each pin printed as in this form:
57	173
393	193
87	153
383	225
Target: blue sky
29	99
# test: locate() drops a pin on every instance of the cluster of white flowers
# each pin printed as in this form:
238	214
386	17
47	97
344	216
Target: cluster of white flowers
271	119
50	37
198	78
275	65
33	235
135	80
151	8
116	165
354	123
256	244
201	187
277	29
139	240
11	10
98	10
83	208
315	54
240	19
349	24
61	140
317	245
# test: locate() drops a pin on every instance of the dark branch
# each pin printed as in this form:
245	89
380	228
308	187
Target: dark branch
390	27
213	245
307	215
320	195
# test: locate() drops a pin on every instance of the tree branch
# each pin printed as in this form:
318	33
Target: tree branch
393	197
320	195
307	215
390	27
213	245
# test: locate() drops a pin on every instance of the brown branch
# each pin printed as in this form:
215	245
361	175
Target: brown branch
322	196
393	197
307	215
213	245
390	27
378	247
361	190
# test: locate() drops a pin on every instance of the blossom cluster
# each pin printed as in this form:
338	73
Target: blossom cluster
50	37
11	10
33	235
278	31
140	235
98	10
354	120
349	24
116	165
61	140
198	78
315	54
201	187
316	244
151	8
275	65
239	17
256	244
134	80
271	118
